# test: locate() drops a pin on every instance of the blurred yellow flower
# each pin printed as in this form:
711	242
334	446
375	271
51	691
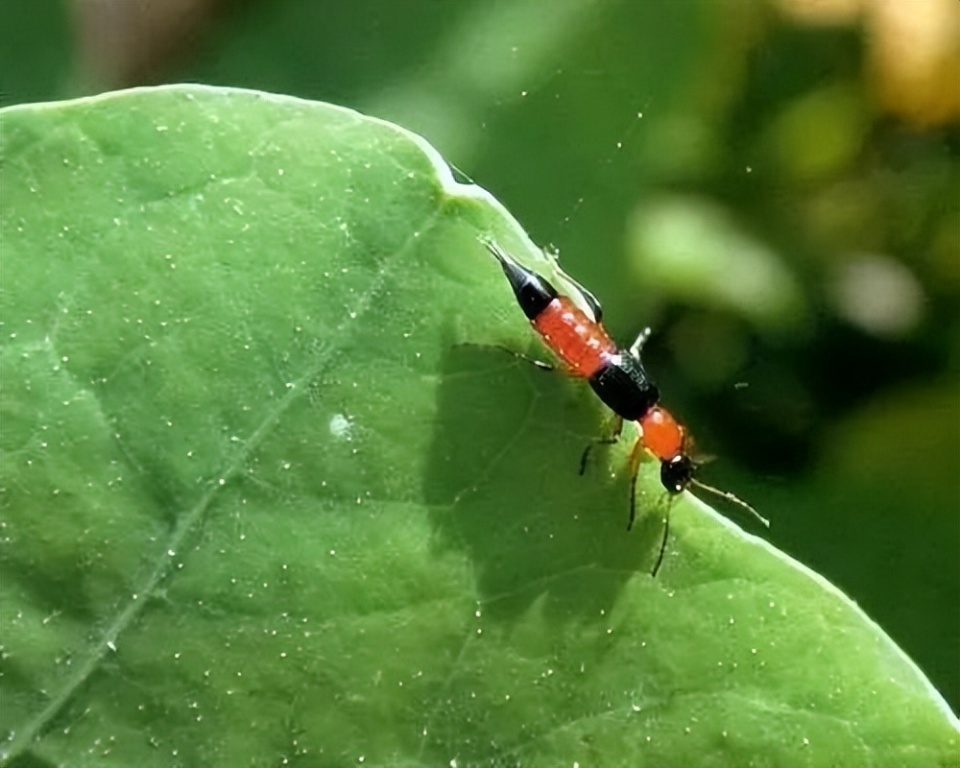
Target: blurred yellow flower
913	51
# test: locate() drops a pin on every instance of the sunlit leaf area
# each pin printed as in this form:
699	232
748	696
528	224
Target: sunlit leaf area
273	488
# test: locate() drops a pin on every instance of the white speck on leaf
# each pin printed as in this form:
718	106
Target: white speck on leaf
341	427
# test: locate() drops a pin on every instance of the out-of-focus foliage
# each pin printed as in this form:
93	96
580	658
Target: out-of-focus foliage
772	186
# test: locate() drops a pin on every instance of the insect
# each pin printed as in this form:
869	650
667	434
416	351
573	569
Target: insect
574	332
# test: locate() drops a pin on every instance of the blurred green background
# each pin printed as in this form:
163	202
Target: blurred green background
774	187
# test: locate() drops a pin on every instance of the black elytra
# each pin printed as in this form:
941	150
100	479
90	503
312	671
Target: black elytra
623	386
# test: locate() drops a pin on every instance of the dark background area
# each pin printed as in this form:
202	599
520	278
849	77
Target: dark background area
774	187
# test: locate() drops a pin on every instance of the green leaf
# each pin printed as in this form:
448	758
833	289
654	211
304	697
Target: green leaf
263	505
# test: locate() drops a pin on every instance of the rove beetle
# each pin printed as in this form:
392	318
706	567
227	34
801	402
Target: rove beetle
575	335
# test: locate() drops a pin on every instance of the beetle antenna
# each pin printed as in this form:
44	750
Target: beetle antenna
731	498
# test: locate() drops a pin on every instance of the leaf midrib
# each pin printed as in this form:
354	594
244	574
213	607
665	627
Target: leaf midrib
36	726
